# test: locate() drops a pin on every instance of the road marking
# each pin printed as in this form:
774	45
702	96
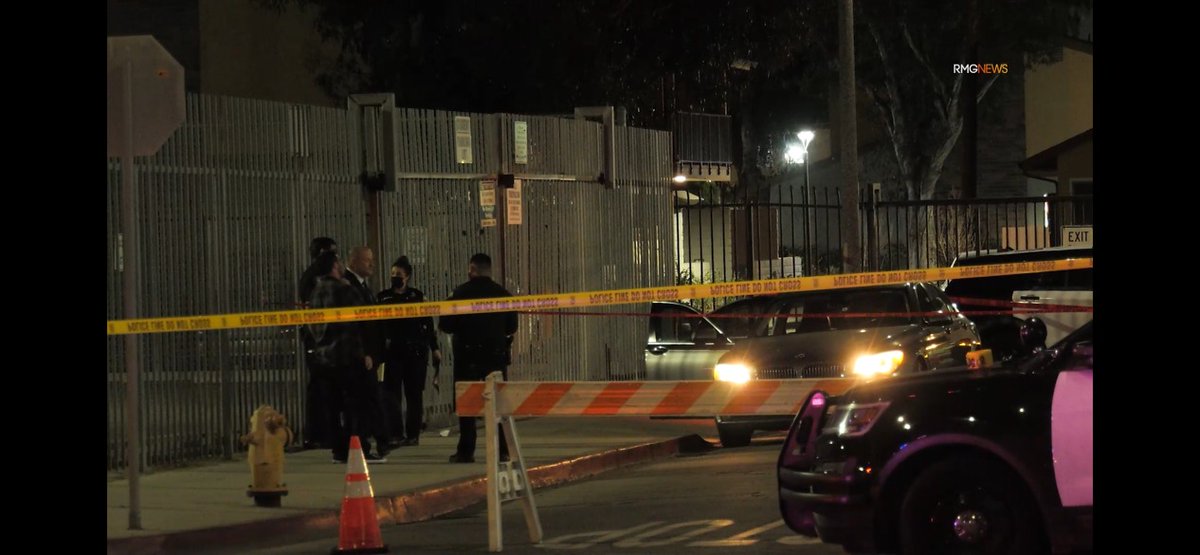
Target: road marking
642	535
739	540
707	526
798	540
564	542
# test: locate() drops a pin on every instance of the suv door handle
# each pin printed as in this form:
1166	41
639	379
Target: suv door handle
657	349
1030	298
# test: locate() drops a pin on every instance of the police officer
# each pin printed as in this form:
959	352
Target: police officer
481	344
409	342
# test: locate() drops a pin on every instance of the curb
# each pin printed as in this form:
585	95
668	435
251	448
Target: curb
413	506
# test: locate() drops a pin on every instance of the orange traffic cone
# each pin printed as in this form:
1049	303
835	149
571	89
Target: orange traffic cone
359	528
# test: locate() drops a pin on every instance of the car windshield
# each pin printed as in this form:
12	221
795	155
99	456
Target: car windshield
836	310
740	327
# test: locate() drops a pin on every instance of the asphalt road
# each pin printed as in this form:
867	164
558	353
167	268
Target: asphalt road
723	501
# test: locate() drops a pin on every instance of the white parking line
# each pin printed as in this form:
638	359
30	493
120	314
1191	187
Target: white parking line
739	540
605	536
643	536
798	540
640	539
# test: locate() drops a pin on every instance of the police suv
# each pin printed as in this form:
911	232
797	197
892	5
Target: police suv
957	460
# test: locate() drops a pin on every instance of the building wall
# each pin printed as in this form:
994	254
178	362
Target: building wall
1058	101
1001	145
1074	164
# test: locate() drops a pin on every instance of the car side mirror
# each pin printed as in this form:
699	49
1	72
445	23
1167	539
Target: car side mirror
1033	335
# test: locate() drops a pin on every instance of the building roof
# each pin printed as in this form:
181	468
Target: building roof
1046	161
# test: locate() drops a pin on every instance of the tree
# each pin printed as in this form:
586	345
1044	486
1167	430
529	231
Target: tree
652	57
907	51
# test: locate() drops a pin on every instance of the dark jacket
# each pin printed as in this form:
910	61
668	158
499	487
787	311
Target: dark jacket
308	282
481	341
407	337
340	344
372	330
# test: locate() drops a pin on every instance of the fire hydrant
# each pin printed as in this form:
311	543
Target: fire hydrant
268	436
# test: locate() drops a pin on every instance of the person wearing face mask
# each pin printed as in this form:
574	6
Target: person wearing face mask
409	342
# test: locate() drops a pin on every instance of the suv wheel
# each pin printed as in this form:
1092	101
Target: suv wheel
969	505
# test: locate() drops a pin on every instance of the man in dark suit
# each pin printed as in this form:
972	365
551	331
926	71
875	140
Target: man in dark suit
366	392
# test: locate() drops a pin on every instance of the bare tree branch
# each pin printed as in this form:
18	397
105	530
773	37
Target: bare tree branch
890	82
984	90
937	160
952	109
885	111
922	59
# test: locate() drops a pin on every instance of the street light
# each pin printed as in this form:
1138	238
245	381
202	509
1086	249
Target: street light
806	137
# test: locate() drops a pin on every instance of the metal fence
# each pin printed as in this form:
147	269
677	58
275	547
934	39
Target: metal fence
931	233
703	137
795	232
227	207
225	210
576	235
720	239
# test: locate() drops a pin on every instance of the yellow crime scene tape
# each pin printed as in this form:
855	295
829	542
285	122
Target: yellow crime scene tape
578	300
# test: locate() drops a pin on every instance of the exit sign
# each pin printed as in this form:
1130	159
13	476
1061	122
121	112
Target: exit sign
1077	236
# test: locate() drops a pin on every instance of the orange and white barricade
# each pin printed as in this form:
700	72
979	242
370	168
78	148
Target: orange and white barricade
499	401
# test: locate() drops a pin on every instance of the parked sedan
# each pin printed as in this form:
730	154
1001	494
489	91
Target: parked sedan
877	336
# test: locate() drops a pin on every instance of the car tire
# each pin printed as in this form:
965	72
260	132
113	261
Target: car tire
969	505
733	435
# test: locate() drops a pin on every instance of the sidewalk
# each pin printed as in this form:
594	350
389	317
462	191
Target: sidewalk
208	506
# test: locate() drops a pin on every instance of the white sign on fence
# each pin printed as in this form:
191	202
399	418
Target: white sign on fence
512	203
462	139
487	203
521	142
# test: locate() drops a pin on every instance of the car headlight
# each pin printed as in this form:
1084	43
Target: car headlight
736	373
853	419
878	364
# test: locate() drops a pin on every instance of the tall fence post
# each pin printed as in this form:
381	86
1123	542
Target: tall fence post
872	220
749	239
224	338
